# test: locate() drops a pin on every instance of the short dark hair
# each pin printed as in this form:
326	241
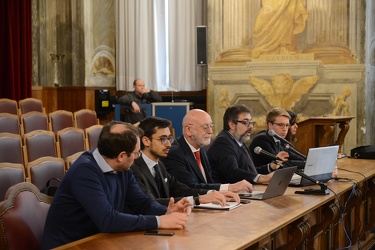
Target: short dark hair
135	82
150	124
232	113
112	144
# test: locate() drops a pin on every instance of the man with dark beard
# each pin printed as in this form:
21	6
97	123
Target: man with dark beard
228	155
153	178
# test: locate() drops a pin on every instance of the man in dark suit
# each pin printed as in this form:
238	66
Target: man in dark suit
151	174
228	155
277	120
187	159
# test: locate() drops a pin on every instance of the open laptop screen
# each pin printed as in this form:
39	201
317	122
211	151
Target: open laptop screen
320	164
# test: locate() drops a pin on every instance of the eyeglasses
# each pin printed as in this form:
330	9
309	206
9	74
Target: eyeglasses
165	139
247	123
205	127
137	154
282	125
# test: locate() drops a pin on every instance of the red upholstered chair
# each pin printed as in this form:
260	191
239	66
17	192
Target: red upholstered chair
22	217
8	106
85	118
10	174
30	104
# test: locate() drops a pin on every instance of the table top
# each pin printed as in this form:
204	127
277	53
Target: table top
238	228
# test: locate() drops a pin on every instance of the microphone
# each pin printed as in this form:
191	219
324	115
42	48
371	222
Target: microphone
288	145
259	151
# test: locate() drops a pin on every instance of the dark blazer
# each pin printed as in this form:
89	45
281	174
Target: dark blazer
171	187
267	143
181	163
228	161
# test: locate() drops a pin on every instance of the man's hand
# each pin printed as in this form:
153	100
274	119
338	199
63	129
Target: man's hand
182	206
177	214
218	197
136	108
283	155
243	185
145	91
173	220
264	179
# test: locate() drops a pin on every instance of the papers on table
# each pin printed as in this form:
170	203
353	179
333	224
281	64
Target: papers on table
215	206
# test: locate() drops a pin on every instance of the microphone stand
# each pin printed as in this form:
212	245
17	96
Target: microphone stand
323	186
291	148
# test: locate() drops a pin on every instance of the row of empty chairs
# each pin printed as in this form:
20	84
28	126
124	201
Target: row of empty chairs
22	106
39	143
53	121
39	172
41	157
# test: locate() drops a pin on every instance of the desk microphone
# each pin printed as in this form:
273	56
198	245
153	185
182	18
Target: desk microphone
288	145
323	187
259	151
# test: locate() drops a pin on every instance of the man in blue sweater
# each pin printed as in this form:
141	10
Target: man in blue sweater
95	190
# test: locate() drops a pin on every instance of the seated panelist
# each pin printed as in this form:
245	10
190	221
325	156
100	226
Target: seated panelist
187	159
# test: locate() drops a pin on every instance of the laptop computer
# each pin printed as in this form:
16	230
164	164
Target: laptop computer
276	187
320	164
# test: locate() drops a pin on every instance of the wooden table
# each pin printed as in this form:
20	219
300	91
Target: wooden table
253	225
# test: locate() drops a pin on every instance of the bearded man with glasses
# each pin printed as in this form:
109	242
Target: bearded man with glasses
277	119
228	155
153	178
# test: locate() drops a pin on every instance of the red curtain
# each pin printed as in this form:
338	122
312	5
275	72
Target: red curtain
15	49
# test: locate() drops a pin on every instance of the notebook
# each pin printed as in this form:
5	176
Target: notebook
277	186
230	205
320	164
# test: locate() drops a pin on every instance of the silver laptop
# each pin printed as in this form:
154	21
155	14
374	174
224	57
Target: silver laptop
320	164
277	186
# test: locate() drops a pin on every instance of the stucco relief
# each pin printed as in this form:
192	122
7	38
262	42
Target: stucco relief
340	104
282	91
277	29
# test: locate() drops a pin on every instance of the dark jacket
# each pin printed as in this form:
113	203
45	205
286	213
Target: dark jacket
181	163
228	161
171	187
267	143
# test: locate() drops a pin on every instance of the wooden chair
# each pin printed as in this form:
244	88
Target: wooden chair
39	143
59	120
71	159
10	123
45	168
8	106
11	148
92	135
30	104
85	118
34	121
10	174
70	141
22	217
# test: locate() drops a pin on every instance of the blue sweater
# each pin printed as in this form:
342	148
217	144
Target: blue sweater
89	201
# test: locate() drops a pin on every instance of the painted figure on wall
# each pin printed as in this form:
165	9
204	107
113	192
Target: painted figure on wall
277	27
